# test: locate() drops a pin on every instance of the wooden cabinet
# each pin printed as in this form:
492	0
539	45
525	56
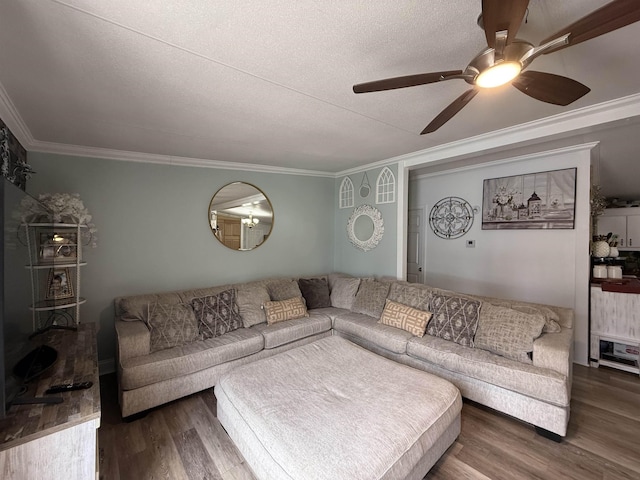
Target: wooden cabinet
57	441
625	222
615	321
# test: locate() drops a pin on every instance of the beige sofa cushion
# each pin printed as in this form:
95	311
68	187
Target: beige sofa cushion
178	361
283	289
411	294
508	332
344	291
292	330
371	297
363	326
171	325
250	299
136	307
540	383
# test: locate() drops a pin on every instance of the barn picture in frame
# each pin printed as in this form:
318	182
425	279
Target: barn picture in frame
542	200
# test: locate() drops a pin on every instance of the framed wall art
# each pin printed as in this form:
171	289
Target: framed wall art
543	200
59	284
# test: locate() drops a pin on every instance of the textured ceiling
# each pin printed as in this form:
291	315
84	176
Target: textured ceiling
269	83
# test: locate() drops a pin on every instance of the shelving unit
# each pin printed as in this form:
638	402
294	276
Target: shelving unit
55	261
614	317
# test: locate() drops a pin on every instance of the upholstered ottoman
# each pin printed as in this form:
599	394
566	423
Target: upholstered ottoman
333	410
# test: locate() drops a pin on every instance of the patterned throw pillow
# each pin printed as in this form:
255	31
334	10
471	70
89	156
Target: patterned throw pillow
371	298
405	317
454	318
283	289
217	314
315	292
171	325
285	310
343	293
508	332
416	296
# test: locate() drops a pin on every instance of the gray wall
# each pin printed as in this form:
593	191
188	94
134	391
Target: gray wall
381	261
543	266
153	233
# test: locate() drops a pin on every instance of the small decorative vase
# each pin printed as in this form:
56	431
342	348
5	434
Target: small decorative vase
613	252
600	249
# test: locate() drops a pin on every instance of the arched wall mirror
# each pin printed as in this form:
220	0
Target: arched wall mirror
240	216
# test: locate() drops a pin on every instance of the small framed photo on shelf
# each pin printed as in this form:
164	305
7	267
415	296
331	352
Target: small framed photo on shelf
59	284
57	246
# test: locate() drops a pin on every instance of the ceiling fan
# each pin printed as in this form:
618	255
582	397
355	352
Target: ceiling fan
507	57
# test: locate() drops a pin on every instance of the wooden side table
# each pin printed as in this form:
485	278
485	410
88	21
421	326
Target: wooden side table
57	441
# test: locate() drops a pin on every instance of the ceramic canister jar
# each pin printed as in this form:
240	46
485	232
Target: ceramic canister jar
599	271
614	271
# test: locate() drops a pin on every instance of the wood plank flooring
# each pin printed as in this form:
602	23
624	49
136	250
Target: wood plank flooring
184	440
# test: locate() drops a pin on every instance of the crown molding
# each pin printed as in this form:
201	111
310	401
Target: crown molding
13	120
521	158
121	155
573	120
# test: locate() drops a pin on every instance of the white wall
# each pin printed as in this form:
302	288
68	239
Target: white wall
544	266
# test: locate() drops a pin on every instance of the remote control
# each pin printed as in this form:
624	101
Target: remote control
68	387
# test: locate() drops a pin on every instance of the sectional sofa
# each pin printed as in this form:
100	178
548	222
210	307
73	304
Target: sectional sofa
514	357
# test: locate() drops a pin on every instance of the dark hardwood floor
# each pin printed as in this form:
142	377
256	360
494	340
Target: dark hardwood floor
184	440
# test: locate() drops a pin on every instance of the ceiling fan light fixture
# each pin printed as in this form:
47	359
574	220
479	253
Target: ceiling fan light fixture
498	74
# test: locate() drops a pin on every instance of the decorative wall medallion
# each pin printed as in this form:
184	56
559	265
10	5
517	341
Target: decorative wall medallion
365	227
451	217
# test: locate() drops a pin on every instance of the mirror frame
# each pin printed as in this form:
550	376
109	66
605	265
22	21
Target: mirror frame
268	202
378	227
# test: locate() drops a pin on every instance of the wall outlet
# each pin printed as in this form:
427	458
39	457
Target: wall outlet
471	244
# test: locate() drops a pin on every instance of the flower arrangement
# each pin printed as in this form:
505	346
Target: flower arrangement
60	208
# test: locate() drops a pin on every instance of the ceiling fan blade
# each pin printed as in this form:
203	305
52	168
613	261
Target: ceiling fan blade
612	16
407	81
448	113
500	15
550	88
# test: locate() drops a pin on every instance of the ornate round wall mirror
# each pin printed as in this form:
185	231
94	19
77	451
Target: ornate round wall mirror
240	216
365	227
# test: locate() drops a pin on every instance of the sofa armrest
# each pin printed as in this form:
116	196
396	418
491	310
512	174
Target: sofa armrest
134	339
554	351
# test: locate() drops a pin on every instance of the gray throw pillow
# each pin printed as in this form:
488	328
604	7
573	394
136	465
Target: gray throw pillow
508	332
315	292
283	289
344	291
415	296
454	318
371	298
217	314
250	298
171	325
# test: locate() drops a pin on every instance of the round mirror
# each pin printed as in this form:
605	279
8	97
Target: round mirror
365	227
240	216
